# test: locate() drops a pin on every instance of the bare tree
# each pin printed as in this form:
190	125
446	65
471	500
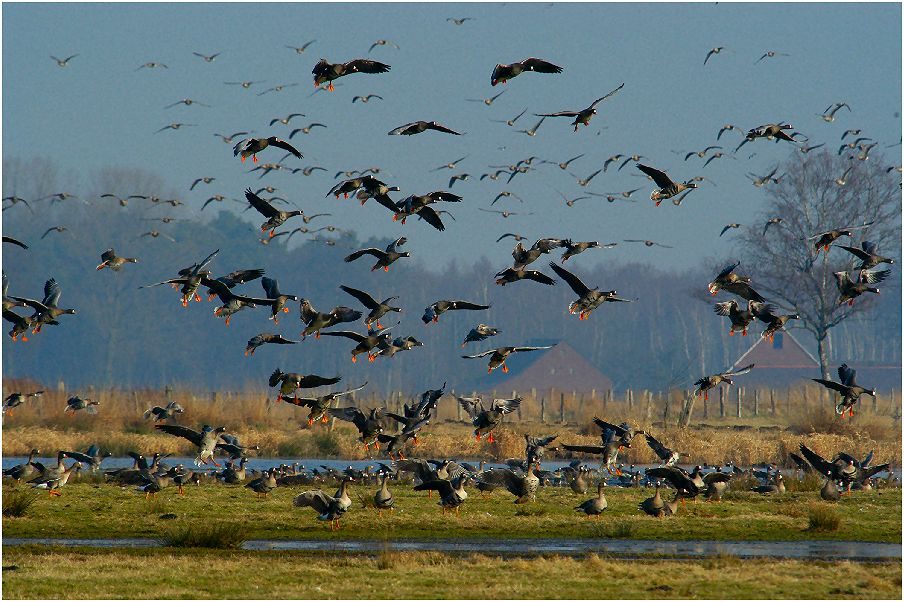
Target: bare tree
821	193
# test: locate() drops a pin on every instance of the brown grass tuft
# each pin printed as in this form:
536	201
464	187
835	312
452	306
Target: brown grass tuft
823	517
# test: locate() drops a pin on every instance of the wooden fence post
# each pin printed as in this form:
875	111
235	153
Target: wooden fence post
514	395
705	407
721	402
562	409
543	409
740	397
772	400
756	402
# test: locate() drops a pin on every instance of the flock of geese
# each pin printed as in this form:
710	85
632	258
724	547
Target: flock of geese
396	432
521	477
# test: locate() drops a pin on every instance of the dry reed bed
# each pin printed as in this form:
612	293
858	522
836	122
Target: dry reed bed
280	429
710	445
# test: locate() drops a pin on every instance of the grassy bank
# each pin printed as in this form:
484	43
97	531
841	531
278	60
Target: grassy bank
105	511
159	573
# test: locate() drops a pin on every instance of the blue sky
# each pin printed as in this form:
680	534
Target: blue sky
100	111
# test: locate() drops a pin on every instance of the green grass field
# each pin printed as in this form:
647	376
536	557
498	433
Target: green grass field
162	573
106	511
88	510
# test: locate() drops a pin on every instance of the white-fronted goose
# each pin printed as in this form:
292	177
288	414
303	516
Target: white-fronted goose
14	400
733	283
452	493
365	343
369	425
205	440
46	311
614	437
486	420
825	239
867	253
851	289
774	322
26	470
320	405
584	115
251	146
510	275
708	382
848	387
53	482
503	73
666	456
667	188
740	318
433	311
384	258
264	338
595	506
164	413
523	487
377	309
290	382
383	499
327	72
76	403
588	299
480	333
417	127
500	354
109	259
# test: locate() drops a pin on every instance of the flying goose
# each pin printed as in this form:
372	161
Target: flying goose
503	73
584	115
